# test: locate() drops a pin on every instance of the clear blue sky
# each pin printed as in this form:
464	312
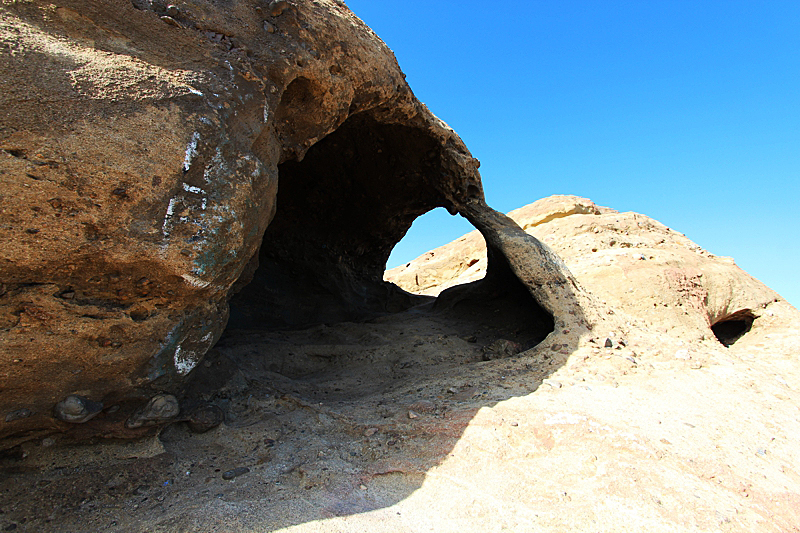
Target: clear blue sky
687	111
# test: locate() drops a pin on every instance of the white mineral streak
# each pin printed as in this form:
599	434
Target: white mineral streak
195	281
184	360
167	217
191	151
192	188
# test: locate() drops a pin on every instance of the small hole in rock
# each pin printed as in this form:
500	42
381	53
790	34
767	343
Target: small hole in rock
733	327
17	153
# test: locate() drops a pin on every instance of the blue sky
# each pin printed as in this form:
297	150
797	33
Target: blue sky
688	112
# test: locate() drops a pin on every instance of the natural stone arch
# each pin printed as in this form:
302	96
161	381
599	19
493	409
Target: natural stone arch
156	199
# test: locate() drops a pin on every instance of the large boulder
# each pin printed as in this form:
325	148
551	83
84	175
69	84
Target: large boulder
157	158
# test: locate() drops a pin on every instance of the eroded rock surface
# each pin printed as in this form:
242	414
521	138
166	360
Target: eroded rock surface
140	151
669	282
166	166
473	412
157	159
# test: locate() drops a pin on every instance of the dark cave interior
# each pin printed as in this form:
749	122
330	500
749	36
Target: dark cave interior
340	211
733	327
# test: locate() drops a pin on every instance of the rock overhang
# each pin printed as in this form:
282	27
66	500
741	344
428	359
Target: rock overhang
145	187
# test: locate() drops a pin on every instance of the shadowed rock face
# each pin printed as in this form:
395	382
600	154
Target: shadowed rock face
340	211
147	181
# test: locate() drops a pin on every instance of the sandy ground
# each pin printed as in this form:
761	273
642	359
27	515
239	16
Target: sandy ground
399	424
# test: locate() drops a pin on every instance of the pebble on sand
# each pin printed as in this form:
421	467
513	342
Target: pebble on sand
276	7
18	414
205	417
230	474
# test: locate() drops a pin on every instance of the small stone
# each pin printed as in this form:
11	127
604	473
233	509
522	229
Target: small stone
236	472
609	343
501	348
76	409
761	452
472	339
362	487
412	415
32	231
171	21
423	406
172	10
68	295
695	365
18	414
160	408
269	28
277	7
47	442
205	417
553	383
370	432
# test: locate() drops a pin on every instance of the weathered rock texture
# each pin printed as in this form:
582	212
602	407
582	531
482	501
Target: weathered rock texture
156	158
669	282
450	417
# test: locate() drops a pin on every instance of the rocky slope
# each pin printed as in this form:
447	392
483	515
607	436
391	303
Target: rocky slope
233	175
628	260
432	419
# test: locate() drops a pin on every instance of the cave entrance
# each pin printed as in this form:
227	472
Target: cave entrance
733	327
318	311
340	210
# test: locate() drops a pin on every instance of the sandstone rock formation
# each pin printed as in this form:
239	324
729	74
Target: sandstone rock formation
454	415
669	282
157	158
173	170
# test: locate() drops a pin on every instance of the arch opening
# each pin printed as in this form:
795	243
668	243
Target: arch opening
339	212
419	265
318	311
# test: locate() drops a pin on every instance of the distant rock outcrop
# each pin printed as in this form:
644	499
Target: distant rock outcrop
629	261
